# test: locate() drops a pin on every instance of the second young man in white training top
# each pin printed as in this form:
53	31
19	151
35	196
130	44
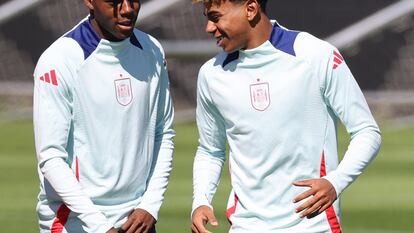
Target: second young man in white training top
276	96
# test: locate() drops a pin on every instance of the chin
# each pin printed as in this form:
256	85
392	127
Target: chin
127	34
230	50
123	36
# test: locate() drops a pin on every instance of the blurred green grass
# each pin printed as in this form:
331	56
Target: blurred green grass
381	200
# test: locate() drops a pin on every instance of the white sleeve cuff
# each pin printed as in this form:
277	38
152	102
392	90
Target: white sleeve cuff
198	203
331	178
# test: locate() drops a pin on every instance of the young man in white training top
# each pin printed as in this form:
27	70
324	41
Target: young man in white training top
276	96
103	125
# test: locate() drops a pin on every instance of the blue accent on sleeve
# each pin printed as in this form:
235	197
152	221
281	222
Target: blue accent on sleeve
86	37
283	39
231	57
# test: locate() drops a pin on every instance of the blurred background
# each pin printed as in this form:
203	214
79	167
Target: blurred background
376	38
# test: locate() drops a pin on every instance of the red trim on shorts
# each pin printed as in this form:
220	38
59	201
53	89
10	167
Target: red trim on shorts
63	212
230	211
77	168
61	219
330	212
333	220
323	167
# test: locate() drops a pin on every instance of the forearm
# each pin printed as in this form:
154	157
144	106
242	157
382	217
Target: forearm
158	180
206	176
362	149
162	153
344	97
63	181
210	156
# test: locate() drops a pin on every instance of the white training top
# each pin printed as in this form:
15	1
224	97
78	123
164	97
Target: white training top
103	130
277	106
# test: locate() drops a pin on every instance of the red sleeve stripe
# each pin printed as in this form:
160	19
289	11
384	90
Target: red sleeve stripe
337	54
337	61
54	80
47	79
50	77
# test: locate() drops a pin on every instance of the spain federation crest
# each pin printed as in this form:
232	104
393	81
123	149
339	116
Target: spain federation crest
123	91
259	95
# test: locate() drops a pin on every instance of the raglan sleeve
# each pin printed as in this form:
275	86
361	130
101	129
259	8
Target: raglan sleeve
163	148
346	100
210	155
52	118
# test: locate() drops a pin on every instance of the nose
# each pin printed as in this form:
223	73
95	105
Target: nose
211	27
126	8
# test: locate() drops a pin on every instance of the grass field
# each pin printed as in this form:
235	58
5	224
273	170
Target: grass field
380	201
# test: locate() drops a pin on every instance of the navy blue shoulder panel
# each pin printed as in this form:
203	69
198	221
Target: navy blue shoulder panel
231	57
134	40
283	39
86	37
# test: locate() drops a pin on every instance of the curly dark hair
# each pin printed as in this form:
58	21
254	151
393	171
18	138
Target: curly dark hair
262	3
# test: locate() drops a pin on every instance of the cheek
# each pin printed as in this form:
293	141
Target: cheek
108	24
234	34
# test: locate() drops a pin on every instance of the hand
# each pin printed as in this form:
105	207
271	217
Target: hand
112	230
139	221
201	216
323	195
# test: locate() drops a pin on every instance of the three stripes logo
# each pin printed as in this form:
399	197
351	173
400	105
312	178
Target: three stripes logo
50	77
338	59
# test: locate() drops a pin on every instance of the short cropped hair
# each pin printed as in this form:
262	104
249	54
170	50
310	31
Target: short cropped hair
262	3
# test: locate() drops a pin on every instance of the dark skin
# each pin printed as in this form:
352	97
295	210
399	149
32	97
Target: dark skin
114	20
244	26
237	25
139	221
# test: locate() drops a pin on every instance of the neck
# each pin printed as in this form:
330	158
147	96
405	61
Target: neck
103	34
260	31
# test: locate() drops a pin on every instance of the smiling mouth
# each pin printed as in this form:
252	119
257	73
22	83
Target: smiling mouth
126	23
219	40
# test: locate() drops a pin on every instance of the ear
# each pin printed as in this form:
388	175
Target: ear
252	9
88	4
